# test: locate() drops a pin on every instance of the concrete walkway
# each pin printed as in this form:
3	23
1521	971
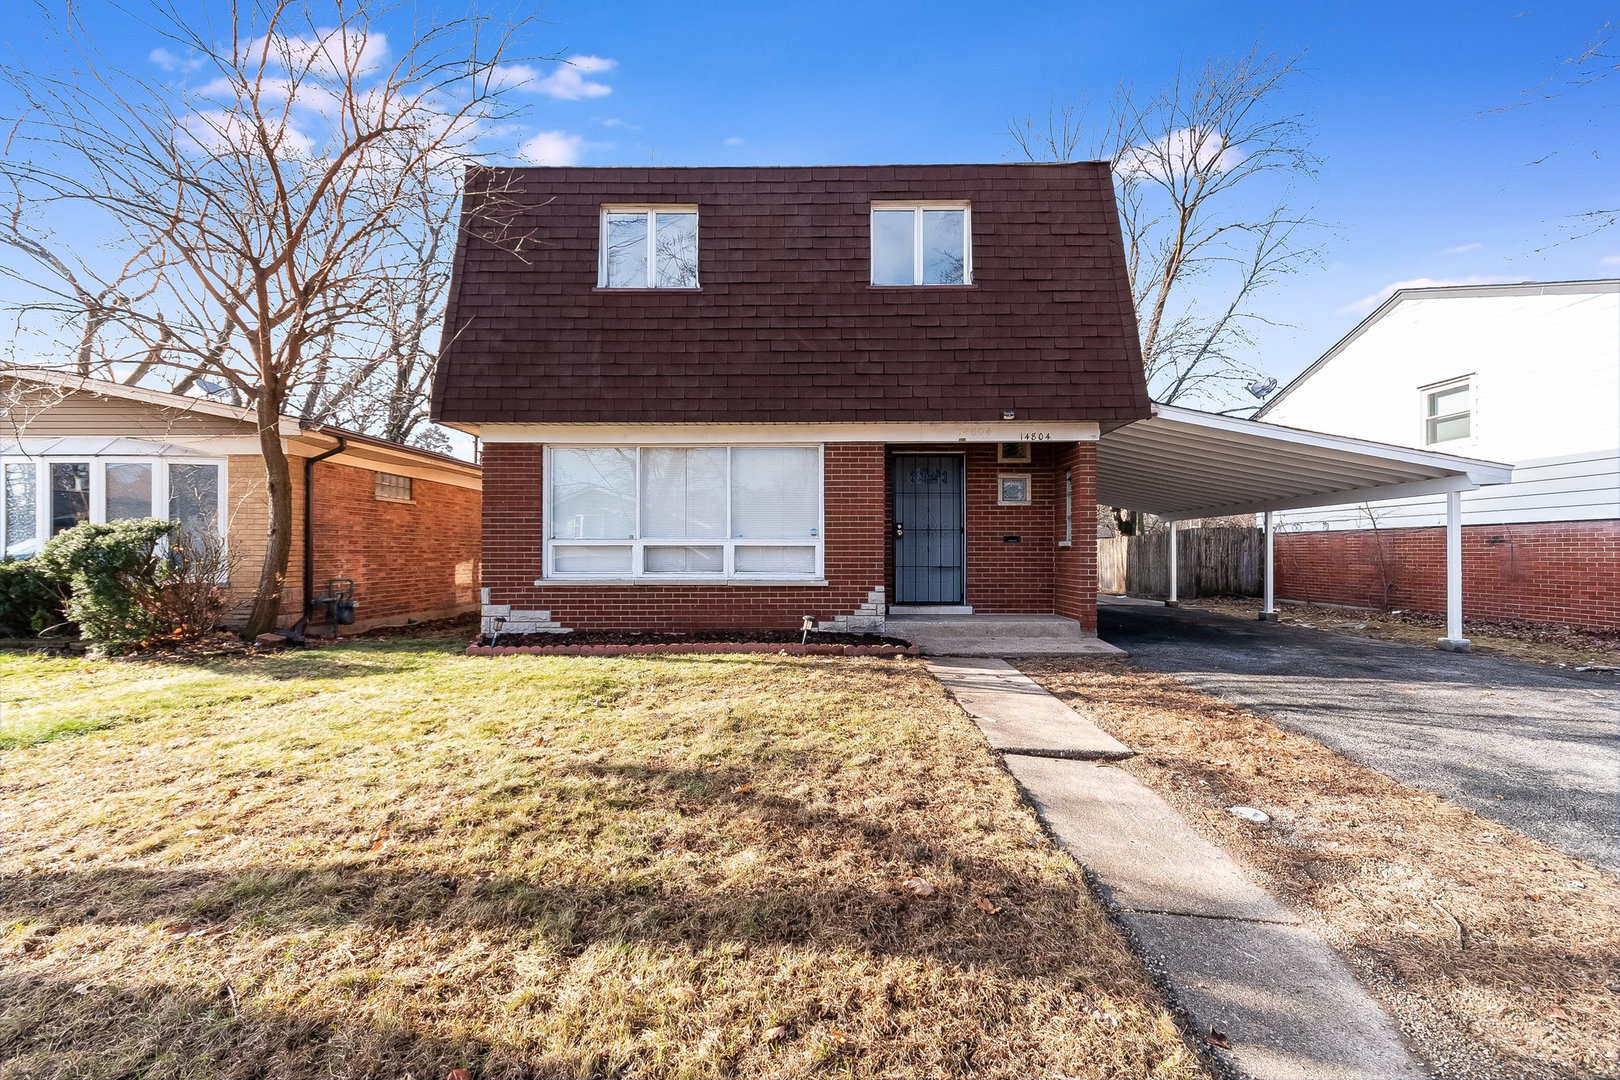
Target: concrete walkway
1232	956
998	635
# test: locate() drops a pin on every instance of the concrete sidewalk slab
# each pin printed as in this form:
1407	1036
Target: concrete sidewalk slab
1285	1001
1141	852
1232	957
998	635
1017	715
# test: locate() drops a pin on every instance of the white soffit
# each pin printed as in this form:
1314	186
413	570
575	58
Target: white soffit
1183	463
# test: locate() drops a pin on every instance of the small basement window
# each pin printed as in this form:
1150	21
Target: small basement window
648	247
1448	412
922	244
392	488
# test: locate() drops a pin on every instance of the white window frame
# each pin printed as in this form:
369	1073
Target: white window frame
728	543
1029	488
1068	509
98	488
917	241
1426	392
652	210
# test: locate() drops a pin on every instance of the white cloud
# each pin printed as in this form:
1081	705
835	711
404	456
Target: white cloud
168	61
1367	303
734	140
1182	151
567	83
553	148
328	52
614	121
1461	249
1609	260
221	132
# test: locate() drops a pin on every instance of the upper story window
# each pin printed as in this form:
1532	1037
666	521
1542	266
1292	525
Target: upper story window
927	243
1448	412
648	247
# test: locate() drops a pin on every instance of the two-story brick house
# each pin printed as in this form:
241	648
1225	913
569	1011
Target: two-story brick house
731	397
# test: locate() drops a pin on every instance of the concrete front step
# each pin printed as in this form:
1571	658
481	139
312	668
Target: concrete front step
997	635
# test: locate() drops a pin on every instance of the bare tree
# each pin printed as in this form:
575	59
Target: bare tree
1205	172
267	186
385	390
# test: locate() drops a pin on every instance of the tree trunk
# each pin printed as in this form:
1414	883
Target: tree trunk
278	480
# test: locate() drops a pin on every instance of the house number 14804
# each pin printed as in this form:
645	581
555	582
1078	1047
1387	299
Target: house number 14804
1035	436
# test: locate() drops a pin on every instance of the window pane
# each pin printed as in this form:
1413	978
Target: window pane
591	560
944	253
683	493
593	494
894	255
1448	401
22	510
675	238
775	493
683	560
70	494
1455	427
194	503
626	242
129	491
776	560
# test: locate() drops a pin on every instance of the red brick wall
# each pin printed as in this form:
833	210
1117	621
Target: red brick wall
514	541
416	560
1565	573
1031	576
1074	570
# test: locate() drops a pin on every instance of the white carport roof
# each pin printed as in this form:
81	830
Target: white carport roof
1182	463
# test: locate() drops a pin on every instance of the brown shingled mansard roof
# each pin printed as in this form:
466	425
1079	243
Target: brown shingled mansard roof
784	325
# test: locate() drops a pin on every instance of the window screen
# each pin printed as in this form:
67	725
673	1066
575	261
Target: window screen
22	510
129	490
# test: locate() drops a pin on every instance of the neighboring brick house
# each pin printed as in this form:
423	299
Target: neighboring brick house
733	397
1525	373
402	522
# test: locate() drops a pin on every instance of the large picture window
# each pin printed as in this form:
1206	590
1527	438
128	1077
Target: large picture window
45	496
670	512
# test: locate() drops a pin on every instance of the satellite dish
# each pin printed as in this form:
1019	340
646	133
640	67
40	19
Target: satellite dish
1261	388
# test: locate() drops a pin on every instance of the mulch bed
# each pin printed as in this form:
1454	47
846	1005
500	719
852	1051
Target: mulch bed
605	643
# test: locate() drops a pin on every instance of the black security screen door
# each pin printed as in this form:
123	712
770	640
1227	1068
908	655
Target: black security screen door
928	510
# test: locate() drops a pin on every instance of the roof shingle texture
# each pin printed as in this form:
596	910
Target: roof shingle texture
785	326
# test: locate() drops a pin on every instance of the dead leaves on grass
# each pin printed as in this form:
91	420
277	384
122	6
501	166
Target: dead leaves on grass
918	887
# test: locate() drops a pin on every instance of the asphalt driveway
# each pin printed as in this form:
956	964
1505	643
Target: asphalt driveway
1534	747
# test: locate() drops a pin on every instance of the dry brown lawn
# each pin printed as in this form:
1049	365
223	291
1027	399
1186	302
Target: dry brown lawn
1561	645
385	859
1497	954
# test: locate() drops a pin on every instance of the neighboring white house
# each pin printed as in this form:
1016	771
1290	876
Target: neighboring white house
1527	375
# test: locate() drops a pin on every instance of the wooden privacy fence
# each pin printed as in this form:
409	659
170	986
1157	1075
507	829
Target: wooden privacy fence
1223	561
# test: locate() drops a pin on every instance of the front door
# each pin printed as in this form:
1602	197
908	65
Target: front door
928	534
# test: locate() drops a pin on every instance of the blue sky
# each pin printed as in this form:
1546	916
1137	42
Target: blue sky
1423	177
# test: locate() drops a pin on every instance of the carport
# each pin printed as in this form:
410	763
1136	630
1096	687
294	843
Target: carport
1184	464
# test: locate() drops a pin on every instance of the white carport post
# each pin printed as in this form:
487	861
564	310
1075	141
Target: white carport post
1268	605
1454	641
1173	601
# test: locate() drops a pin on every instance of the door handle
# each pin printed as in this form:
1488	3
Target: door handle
899	530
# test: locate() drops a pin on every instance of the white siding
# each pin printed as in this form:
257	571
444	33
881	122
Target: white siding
1545	366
